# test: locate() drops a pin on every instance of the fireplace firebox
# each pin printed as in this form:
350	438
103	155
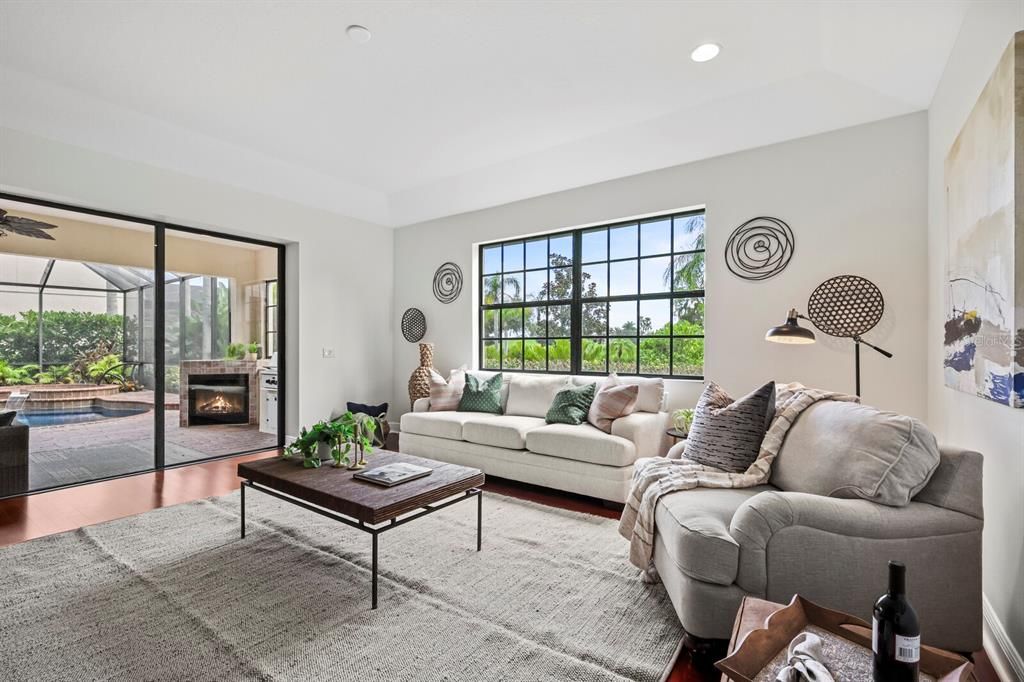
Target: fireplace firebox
218	399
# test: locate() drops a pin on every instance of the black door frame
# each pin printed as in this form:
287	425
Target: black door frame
160	229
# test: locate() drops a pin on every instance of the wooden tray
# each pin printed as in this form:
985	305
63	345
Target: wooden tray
761	646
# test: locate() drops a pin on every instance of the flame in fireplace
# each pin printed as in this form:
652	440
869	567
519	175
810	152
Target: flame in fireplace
220	405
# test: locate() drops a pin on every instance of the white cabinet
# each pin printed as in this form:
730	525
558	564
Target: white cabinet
268	402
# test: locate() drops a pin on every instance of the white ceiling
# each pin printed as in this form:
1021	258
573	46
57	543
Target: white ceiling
455	106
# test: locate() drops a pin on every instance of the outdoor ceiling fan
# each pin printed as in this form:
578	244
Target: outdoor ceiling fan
26	227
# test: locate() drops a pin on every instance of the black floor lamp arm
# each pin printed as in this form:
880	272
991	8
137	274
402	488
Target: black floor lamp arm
873	347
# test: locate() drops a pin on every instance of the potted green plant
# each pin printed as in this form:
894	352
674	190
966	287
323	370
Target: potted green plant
346	440
308	445
252	351
682	420
235	351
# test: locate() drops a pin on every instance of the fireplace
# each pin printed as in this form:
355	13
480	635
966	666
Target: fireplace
218	399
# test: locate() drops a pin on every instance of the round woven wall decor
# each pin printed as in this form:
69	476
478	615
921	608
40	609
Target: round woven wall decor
759	248
846	306
447	282
414	325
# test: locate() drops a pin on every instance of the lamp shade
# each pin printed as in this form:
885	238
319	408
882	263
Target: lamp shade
791	332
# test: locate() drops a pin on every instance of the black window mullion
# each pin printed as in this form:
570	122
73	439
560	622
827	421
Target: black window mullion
576	311
576	302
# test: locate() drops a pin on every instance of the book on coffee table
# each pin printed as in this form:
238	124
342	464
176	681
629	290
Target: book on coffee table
393	474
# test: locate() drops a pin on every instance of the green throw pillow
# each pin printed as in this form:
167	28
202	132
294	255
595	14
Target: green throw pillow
571	405
481	396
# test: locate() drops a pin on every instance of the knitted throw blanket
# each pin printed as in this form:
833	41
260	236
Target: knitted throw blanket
657	476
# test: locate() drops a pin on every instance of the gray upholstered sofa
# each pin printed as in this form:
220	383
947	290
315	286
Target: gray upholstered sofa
713	546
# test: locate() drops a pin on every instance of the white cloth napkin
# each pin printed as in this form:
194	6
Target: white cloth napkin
805	661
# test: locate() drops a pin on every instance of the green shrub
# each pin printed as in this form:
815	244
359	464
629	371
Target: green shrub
66	335
14	376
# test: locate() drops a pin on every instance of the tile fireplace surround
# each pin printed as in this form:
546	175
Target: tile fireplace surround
190	368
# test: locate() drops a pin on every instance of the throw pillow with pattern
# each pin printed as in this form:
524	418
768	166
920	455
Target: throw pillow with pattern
445	395
481	396
571	405
726	433
610	403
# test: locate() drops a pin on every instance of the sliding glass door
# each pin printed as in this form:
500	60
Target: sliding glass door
215	347
127	346
70	344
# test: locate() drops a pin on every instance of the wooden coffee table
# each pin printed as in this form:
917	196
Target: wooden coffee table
371	508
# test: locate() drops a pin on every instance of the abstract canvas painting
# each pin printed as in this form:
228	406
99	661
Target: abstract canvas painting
983	334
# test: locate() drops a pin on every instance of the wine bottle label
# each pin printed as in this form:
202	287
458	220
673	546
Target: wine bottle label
908	649
874	635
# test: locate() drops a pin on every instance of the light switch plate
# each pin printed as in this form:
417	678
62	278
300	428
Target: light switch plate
328	352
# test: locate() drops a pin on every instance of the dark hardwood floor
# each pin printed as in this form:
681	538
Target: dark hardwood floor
33	516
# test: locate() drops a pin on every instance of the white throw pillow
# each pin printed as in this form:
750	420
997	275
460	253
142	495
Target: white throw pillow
531	396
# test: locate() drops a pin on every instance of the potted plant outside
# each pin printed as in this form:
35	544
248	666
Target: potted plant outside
236	351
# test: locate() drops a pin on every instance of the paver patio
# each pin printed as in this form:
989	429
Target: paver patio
71	453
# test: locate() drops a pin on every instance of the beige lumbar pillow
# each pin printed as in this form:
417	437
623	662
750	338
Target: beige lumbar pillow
610	403
531	396
445	395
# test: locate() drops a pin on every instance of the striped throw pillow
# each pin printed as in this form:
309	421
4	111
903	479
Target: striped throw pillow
445	395
571	405
612	402
726	433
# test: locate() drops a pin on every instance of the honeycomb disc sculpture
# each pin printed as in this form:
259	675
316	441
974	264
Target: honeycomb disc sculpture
759	248
846	306
447	282
414	325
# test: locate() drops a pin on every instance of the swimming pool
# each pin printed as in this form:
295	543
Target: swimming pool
79	415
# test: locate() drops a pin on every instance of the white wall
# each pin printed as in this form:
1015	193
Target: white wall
339	281
995	430
855	199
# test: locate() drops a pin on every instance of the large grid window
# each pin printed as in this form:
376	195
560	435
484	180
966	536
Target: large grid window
625	297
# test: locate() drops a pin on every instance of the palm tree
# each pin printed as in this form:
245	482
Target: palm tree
686	272
493	286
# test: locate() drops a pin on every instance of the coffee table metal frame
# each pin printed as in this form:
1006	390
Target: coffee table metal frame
374	529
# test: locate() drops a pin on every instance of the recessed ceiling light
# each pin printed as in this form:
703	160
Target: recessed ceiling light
705	52
358	34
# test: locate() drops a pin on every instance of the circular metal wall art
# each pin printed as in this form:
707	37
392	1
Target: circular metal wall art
447	282
759	248
414	325
846	306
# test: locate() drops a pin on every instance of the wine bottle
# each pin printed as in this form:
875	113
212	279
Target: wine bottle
896	635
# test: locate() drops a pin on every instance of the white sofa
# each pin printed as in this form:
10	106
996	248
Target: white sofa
523	447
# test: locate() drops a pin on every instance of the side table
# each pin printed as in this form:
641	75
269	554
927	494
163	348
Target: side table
676	433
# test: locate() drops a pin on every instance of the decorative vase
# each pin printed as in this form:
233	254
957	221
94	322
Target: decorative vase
419	382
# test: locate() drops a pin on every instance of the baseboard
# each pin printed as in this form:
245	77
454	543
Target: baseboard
1004	656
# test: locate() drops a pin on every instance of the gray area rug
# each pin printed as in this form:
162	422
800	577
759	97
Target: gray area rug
174	594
